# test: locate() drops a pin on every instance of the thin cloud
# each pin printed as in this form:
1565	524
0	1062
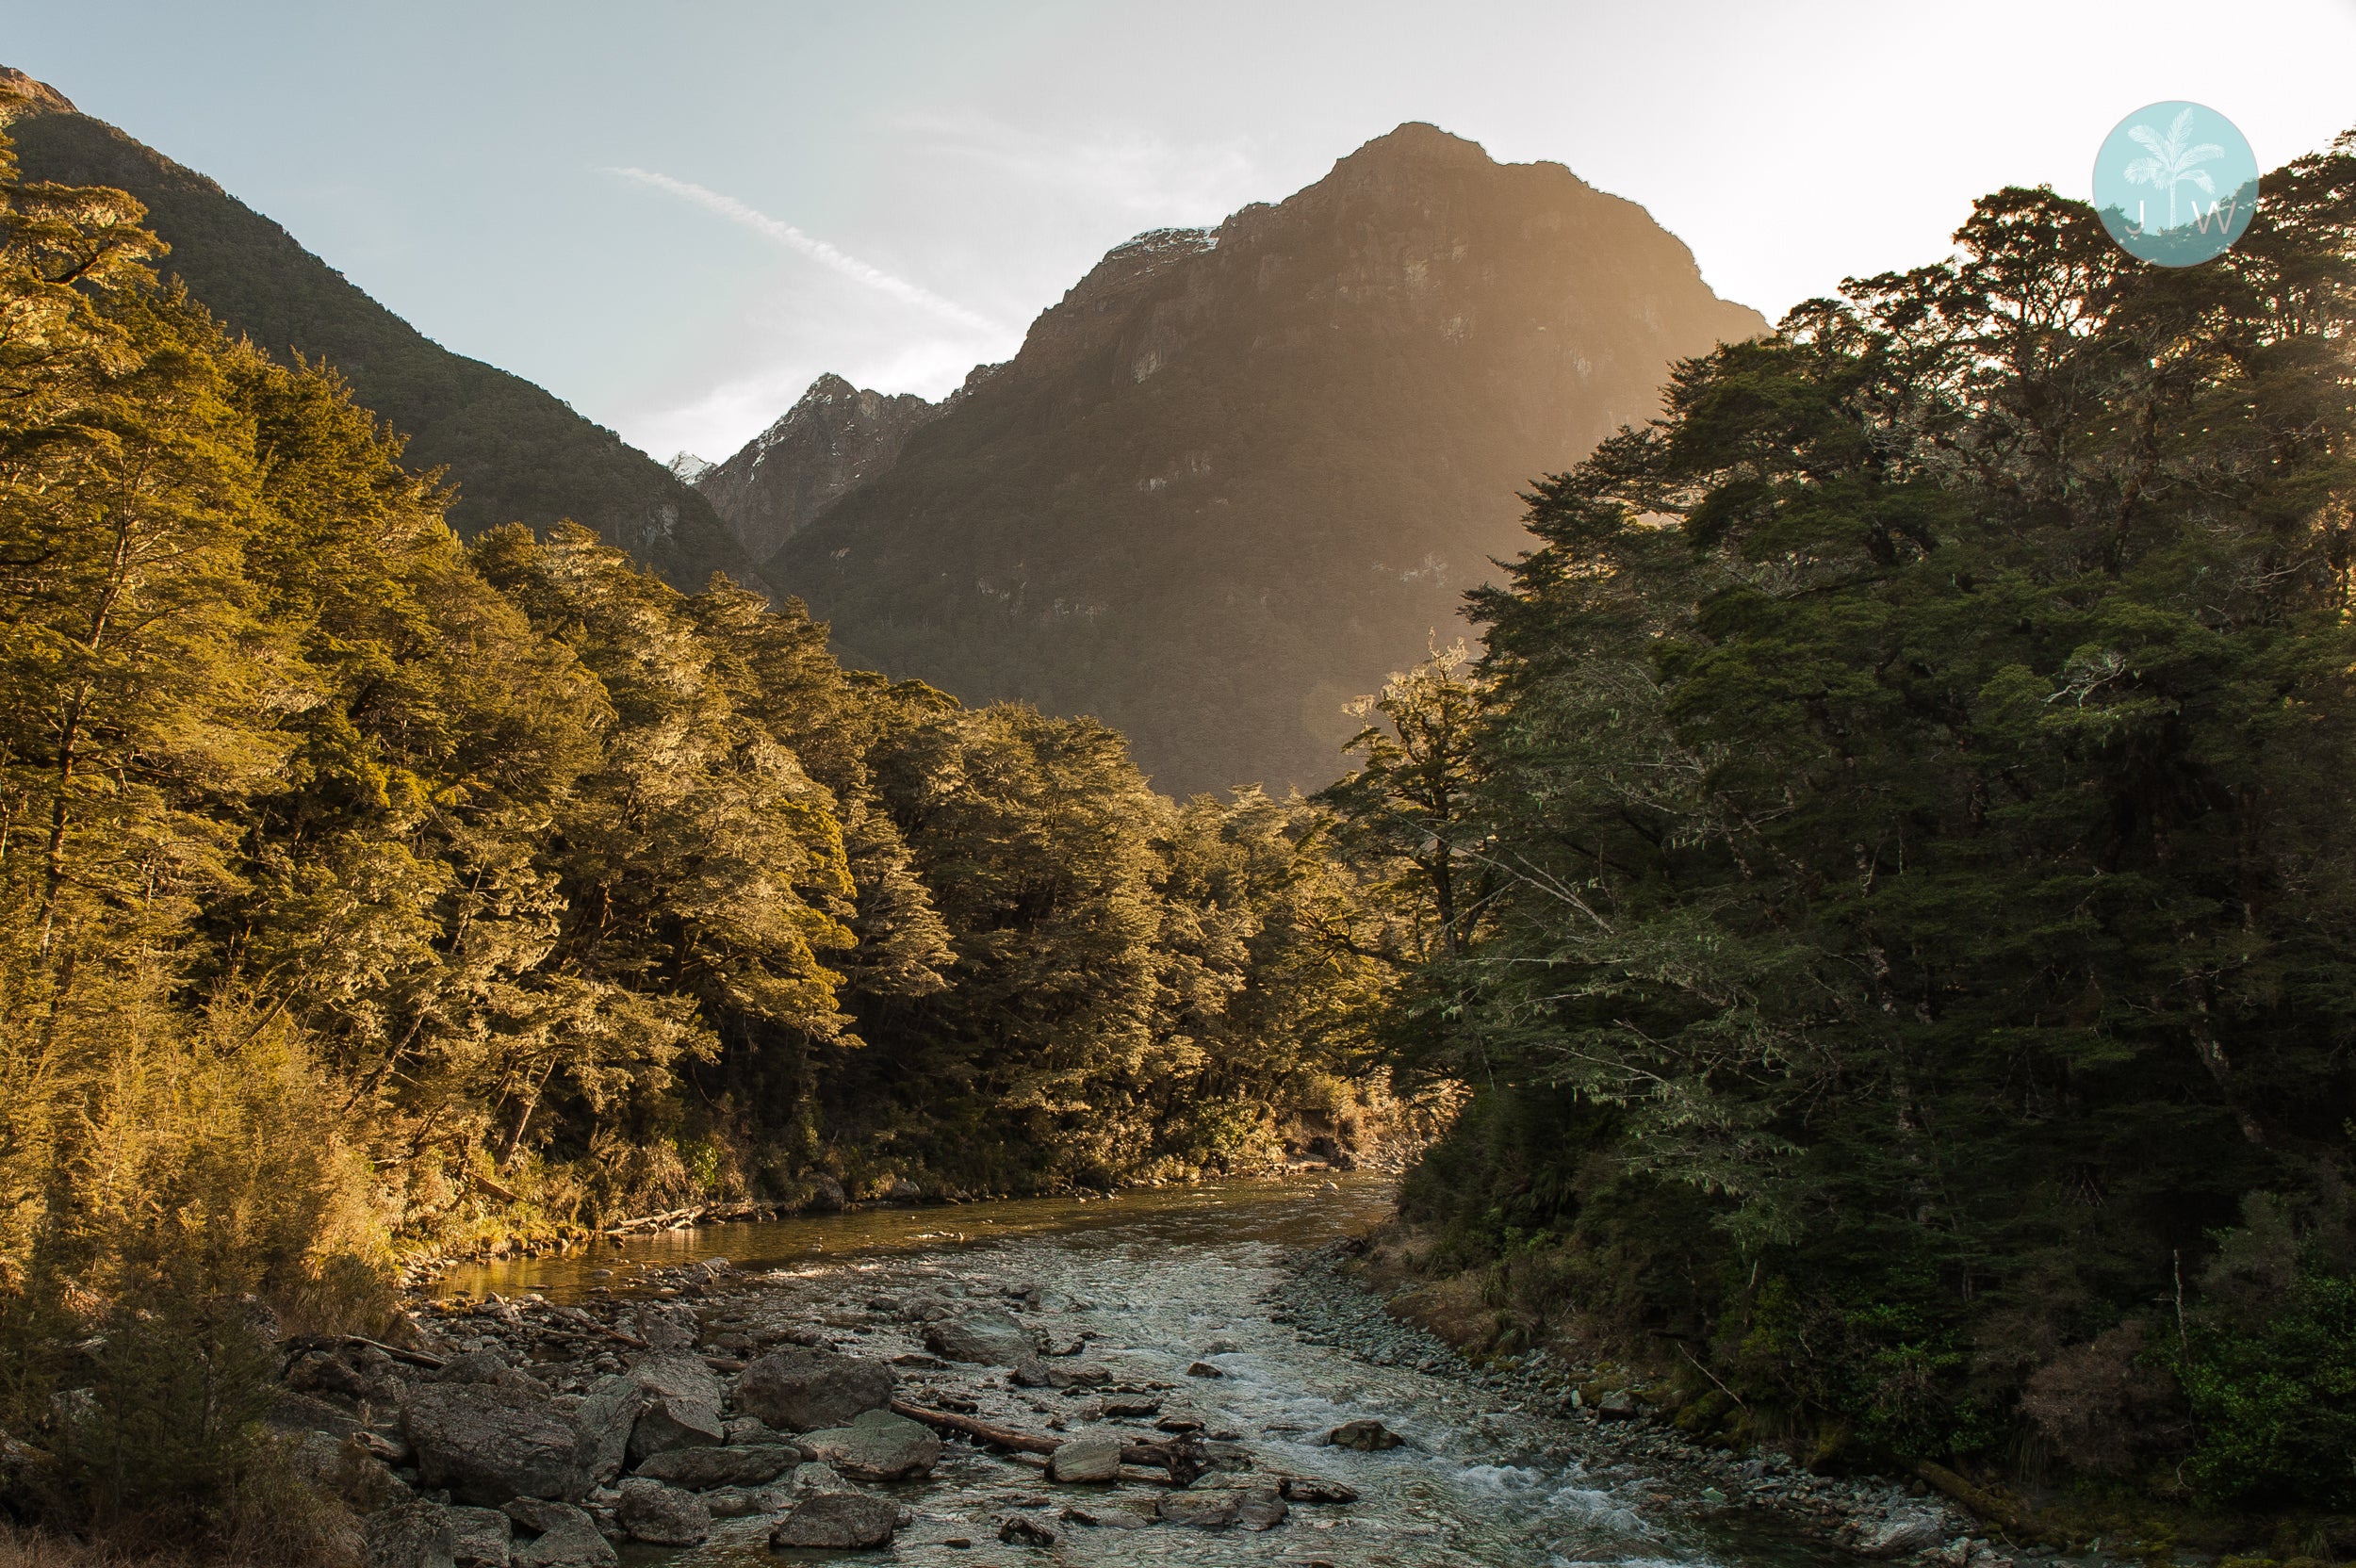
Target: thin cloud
818	249
1137	173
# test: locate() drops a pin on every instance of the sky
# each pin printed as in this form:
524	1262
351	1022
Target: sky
675	216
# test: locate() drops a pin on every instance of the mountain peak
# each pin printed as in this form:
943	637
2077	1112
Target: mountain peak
835	436
1234	478
32	95
1423	143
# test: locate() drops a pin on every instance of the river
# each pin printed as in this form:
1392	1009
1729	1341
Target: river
1165	1279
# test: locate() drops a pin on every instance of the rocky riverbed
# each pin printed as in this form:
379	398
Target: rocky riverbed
1184	1379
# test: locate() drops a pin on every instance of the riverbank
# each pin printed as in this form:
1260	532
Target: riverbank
1326	1300
1152	1336
1378	1297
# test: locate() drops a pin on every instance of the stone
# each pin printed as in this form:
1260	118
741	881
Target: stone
661	1515
1618	1405
603	1421
1201	1510
479	1537
1030	1372
487	1444
985	1338
827	1195
1367	1437
1110	1519
877	1447
1316	1489
701	1469
1205	1369
815	1476
1087	1375
1087	1456
412	1535
736	1502
568	1538
682	1404
1022	1531
1905	1532
842	1520
487	1366
1262	1509
667	1326
800	1390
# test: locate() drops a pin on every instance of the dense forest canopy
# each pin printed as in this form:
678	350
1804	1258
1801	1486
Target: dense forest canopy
1902	843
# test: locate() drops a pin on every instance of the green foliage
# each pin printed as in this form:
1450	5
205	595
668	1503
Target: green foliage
2277	1403
1917	776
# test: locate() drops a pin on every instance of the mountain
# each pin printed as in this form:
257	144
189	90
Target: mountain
823	448
512	451
1238	476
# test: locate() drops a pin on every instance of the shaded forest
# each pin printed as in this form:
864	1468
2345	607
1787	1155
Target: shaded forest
1896	858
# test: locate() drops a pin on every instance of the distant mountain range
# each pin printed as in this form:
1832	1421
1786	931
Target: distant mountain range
1237	476
514	452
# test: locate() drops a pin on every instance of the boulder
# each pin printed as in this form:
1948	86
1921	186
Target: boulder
1367	1437
877	1447
487	1444
1262	1509
800	1390
1021	1529
603	1421
736	1502
661	1515
1201	1510
668	1326
1087	1456
412	1535
986	1338
487	1366
1089	1374
814	1476
1617	1405
568	1538
701	1469
826	1194
1205	1369
1905	1532
841	1521
479	1537
1316	1489
682	1404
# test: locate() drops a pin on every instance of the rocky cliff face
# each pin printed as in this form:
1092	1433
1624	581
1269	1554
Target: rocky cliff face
828	443
1237	477
514	452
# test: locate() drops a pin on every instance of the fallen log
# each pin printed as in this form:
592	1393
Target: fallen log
2011	1520
656	1221
997	1437
1181	1464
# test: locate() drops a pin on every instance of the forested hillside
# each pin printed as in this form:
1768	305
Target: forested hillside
1898	860
512	453
366	890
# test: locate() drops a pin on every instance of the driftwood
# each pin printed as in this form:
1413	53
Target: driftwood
2013	1521
1181	1461
657	1222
